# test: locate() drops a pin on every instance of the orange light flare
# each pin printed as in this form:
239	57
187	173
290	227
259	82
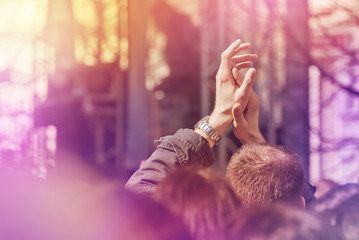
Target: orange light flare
20	22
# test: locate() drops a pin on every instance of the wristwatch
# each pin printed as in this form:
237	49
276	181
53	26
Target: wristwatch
204	126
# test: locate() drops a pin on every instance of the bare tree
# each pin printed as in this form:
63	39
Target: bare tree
332	50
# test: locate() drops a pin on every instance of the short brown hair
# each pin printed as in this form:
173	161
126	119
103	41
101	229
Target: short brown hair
201	197
262	173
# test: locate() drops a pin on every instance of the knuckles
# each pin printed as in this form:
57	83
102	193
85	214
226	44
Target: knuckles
222	77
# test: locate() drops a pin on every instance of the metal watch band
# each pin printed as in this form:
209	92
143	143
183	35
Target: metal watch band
208	130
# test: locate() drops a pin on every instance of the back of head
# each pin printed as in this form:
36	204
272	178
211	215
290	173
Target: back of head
133	216
340	207
262	173
279	221
201	197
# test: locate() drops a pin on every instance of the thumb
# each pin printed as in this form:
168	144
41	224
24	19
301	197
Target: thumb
248	80
237	115
236	75
253	103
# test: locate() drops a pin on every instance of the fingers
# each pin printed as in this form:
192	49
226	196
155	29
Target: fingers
238	77
244	61
226	63
244	91
253	103
241	47
231	50
238	118
244	58
244	65
248	81
252	110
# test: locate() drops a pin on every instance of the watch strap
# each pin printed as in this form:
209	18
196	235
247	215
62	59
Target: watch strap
204	126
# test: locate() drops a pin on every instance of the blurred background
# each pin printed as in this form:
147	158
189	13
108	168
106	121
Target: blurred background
89	84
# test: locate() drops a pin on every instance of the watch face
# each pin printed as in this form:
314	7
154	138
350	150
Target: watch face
208	130
199	122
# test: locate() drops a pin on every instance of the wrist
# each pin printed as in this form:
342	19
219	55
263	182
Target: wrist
220	122
206	130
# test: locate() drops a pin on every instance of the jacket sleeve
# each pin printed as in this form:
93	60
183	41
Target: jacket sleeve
183	148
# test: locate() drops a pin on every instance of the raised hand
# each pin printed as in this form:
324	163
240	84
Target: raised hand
245	124
230	90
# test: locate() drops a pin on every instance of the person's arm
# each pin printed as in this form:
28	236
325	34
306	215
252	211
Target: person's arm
231	90
183	148
194	146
